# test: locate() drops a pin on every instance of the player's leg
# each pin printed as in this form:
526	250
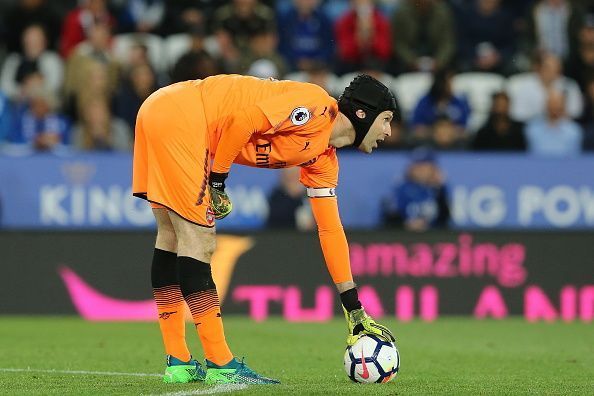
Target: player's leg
172	170
196	244
159	176
170	304
195	247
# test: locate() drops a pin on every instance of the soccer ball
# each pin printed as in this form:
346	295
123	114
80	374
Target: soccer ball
371	359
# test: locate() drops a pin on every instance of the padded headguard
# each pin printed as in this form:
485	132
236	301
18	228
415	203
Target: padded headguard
367	94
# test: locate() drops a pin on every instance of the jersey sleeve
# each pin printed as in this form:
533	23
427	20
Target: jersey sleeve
332	238
321	178
240	127
321	172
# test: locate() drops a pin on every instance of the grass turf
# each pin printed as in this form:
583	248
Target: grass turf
450	356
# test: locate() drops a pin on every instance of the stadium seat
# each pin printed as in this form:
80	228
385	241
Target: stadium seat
514	86
297	76
478	89
514	82
123	42
174	47
409	88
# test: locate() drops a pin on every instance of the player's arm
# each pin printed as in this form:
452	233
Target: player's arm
336	254
324	204
238	130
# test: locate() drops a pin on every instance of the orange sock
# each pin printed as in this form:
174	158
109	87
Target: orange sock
206	312
170	305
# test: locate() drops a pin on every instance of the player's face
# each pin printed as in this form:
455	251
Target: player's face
379	130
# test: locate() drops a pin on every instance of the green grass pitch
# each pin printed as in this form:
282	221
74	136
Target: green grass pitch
452	356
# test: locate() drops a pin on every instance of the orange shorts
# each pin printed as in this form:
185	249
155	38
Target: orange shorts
171	158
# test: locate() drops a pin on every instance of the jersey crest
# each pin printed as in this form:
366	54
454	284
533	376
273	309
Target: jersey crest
300	116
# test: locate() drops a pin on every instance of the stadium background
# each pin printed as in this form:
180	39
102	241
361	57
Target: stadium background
495	297
514	210
497	99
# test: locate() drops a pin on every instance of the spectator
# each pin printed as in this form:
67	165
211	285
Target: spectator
362	33
423	35
25	13
420	201
306	35
182	15
197	63
554	135
262	60
529	94
288	203
554	27
228	53
91	59
142	16
443	135
587	116
320	74
375	68
99	130
139	83
500	132
439	101
446	135
138	55
484	45
6	117
78	23
240	19
580	66
38	124
35	58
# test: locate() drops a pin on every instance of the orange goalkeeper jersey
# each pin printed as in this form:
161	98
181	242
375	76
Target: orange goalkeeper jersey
300	117
246	120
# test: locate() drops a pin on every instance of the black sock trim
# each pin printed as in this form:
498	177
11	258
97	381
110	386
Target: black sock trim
194	275
164	269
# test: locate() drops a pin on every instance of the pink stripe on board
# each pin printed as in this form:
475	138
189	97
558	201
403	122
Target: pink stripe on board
96	306
568	300
321	312
587	303
490	303
405	300
429	303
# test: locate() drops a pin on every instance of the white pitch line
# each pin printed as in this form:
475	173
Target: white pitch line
224	388
30	370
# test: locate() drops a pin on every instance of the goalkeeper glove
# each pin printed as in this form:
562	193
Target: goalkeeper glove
360	323
219	200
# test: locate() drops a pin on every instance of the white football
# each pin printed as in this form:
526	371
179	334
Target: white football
372	359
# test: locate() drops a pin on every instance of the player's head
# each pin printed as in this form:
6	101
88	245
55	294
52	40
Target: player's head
362	102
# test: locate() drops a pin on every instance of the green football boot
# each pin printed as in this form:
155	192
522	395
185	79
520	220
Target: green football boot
235	372
179	372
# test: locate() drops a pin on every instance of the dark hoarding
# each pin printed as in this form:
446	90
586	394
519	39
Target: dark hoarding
105	276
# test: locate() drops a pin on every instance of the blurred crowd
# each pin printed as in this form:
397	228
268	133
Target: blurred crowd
514	75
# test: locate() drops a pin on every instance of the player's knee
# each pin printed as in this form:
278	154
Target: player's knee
210	245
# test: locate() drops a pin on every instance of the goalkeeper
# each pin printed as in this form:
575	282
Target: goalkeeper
187	137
